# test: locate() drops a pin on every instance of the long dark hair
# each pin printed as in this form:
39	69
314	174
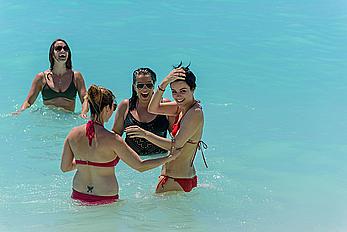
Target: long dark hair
143	71
190	78
98	98
51	54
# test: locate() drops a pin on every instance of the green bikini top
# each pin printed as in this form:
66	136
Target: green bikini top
70	93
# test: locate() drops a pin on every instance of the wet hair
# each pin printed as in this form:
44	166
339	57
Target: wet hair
99	97
190	78
51	54
137	72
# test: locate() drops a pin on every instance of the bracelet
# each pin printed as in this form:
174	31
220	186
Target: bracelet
160	88
172	148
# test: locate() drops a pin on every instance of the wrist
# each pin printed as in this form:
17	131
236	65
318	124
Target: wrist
145	135
161	88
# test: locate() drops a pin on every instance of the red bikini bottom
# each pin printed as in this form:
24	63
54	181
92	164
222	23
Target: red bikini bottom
93	199
187	184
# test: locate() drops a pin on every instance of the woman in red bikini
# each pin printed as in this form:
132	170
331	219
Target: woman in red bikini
94	152
178	174
59	84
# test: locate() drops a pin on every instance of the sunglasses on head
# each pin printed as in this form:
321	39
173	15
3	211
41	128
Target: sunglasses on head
59	48
141	85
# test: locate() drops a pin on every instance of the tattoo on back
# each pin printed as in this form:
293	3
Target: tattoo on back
90	189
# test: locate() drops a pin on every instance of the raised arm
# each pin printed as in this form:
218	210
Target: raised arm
156	106
118	125
130	157
67	159
81	88
35	89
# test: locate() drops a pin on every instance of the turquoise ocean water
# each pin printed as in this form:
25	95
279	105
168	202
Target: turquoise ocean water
272	82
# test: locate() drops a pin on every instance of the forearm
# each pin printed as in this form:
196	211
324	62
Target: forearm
68	168
161	142
152	163
25	105
154	104
85	107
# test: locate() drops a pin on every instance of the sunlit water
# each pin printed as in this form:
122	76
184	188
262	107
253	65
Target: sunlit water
272	82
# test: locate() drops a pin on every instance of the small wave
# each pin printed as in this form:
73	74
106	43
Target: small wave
222	104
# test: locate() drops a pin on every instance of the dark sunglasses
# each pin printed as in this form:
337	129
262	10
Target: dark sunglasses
141	85
59	48
114	106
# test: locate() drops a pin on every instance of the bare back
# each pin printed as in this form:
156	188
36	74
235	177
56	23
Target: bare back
102	179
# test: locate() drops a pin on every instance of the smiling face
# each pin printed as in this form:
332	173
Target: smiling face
144	87
182	93
61	51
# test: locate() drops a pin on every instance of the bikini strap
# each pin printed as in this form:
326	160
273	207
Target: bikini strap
201	146
90	130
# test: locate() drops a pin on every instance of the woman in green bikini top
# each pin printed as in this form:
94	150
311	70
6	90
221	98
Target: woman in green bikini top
59	84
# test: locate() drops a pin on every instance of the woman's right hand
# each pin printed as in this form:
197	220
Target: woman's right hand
16	113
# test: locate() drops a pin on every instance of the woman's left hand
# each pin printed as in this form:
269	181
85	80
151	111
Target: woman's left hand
174	75
135	132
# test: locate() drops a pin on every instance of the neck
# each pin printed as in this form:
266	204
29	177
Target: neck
98	121
189	105
59	68
141	104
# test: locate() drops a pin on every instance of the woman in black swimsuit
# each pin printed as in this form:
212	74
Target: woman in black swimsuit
134	111
59	84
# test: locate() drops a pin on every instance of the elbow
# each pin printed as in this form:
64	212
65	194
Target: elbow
151	110
141	169
64	168
151	107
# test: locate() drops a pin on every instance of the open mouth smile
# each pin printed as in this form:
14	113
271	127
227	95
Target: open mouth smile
145	95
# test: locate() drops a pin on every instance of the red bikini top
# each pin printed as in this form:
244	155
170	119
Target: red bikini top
176	126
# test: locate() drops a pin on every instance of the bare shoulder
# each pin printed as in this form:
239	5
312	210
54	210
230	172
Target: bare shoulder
113	138
123	105
78	75
40	77
76	131
196	113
